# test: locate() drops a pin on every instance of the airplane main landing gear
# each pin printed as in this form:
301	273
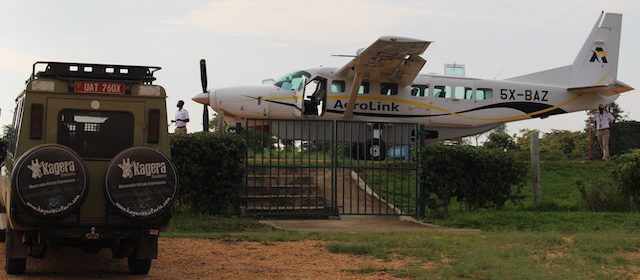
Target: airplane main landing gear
373	149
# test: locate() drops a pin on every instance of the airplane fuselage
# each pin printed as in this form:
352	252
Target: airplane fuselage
432	100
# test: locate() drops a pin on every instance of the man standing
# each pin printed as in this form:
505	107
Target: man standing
604	120
181	120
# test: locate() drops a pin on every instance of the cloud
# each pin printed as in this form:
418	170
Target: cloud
294	20
15	60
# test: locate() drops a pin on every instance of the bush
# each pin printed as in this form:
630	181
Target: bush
211	169
603	196
627	175
476	177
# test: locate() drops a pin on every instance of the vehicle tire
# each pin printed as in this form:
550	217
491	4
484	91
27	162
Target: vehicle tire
4	223
376	149
13	266
137	266
50	180
141	183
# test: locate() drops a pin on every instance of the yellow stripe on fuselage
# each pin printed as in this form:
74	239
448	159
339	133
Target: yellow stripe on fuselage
420	104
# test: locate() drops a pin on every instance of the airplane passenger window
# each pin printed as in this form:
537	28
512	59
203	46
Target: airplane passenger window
388	89
419	90
442	91
364	88
464	93
484	93
468	93
337	86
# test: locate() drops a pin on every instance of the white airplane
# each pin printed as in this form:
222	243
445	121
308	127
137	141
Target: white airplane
382	84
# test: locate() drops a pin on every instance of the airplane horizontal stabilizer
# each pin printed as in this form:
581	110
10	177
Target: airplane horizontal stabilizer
610	89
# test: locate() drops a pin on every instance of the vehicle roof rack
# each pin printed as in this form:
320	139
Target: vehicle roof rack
74	71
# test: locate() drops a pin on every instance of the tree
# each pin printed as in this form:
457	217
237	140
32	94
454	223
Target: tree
213	123
500	141
563	144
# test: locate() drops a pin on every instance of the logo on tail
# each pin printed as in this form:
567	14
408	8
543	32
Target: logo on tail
599	55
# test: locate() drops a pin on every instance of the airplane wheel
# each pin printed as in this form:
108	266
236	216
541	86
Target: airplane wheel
376	149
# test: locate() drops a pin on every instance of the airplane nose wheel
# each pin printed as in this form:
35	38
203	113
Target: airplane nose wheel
376	149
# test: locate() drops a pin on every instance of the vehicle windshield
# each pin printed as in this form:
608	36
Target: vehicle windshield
293	81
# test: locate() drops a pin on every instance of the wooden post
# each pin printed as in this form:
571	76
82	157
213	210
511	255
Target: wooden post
221	122
535	167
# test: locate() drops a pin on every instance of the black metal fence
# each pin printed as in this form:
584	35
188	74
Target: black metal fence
319	168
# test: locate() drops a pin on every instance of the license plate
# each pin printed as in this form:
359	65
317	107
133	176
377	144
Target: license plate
99	87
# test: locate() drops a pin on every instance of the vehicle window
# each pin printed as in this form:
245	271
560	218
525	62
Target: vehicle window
484	93
95	134
419	90
388	89
338	86
442	91
15	126
364	88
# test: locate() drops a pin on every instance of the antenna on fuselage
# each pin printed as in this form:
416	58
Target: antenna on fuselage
496	76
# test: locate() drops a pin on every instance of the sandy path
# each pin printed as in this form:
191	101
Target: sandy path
210	259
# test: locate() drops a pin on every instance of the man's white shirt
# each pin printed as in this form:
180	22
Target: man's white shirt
181	114
603	120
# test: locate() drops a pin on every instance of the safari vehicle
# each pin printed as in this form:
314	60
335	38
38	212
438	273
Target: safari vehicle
87	164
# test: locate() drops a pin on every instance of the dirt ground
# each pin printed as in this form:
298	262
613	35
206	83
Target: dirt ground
210	259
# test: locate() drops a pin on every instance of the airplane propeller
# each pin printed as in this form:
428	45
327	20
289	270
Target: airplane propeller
205	109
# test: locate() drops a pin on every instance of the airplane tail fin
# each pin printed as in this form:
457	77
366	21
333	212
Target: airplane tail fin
597	62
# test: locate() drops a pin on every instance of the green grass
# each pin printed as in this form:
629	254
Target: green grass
611	254
188	222
561	208
562	221
558	182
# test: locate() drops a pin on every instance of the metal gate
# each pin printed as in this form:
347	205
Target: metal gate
320	168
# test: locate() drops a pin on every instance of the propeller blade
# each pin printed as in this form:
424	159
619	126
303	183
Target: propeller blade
205	108
205	118
203	74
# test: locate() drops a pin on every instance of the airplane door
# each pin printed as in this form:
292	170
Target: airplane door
298	97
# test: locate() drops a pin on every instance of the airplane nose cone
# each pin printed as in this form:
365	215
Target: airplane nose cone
202	98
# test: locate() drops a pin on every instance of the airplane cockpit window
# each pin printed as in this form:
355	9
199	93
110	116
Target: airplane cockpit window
419	90
464	93
388	89
364	88
484	93
293	81
442	91
337	86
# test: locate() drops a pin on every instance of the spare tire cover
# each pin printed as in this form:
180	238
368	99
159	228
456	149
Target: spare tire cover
50	180
141	182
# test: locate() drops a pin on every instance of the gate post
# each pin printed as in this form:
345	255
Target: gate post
334	168
420	201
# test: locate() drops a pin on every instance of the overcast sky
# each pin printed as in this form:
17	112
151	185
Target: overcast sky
246	41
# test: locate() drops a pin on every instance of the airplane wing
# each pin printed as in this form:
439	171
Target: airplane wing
388	60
